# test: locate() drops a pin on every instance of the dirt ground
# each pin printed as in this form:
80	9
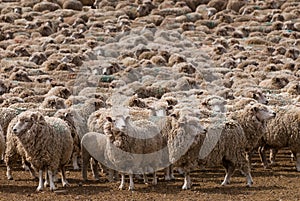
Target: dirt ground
280	183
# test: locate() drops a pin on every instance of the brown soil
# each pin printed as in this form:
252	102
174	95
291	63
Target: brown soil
280	183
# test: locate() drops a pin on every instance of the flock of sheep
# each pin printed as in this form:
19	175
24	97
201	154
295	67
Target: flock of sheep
136	87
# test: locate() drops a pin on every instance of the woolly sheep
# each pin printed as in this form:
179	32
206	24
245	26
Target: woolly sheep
282	131
183	136
53	102
135	141
253	118
52	147
254	93
13	150
78	129
60	91
95	144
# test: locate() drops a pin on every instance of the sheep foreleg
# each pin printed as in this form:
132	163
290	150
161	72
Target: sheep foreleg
187	181
131	183
63	177
50	175
122	185
41	185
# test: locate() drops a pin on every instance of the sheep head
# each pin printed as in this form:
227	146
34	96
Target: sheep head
262	113
26	120
259	96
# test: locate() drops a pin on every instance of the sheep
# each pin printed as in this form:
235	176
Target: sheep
94	144
72	4
253	118
7	114
133	141
183	142
78	128
2	143
282	131
254	93
42	6
227	132
52	147
276	82
60	91
53	102
13	150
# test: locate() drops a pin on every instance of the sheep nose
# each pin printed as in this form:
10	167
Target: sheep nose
15	130
267	102
205	130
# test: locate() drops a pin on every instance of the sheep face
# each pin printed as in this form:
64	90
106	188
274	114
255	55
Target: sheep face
262	113
118	122
260	98
25	122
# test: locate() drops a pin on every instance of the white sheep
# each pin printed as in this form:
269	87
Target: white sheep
253	120
78	129
282	131
130	147
183	142
52	146
13	150
225	144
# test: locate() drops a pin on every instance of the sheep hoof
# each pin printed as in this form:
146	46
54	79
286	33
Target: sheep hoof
52	188
249	185
10	178
185	187
66	184
131	188
225	183
39	188
121	187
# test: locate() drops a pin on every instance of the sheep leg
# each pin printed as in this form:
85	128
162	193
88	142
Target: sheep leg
41	185
263	158
46	183
94	167
246	171
8	172
297	155
63	177
75	161
230	168
28	167
273	153
187	181
154	182
169	174
122	184
50	176
111	175
85	161
145	178
131	183
9	154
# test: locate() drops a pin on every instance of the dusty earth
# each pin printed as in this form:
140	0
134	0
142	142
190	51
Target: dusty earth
280	183
230	38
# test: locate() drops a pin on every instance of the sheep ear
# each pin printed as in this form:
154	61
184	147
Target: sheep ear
34	117
127	118
255	109
173	115
109	119
204	103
